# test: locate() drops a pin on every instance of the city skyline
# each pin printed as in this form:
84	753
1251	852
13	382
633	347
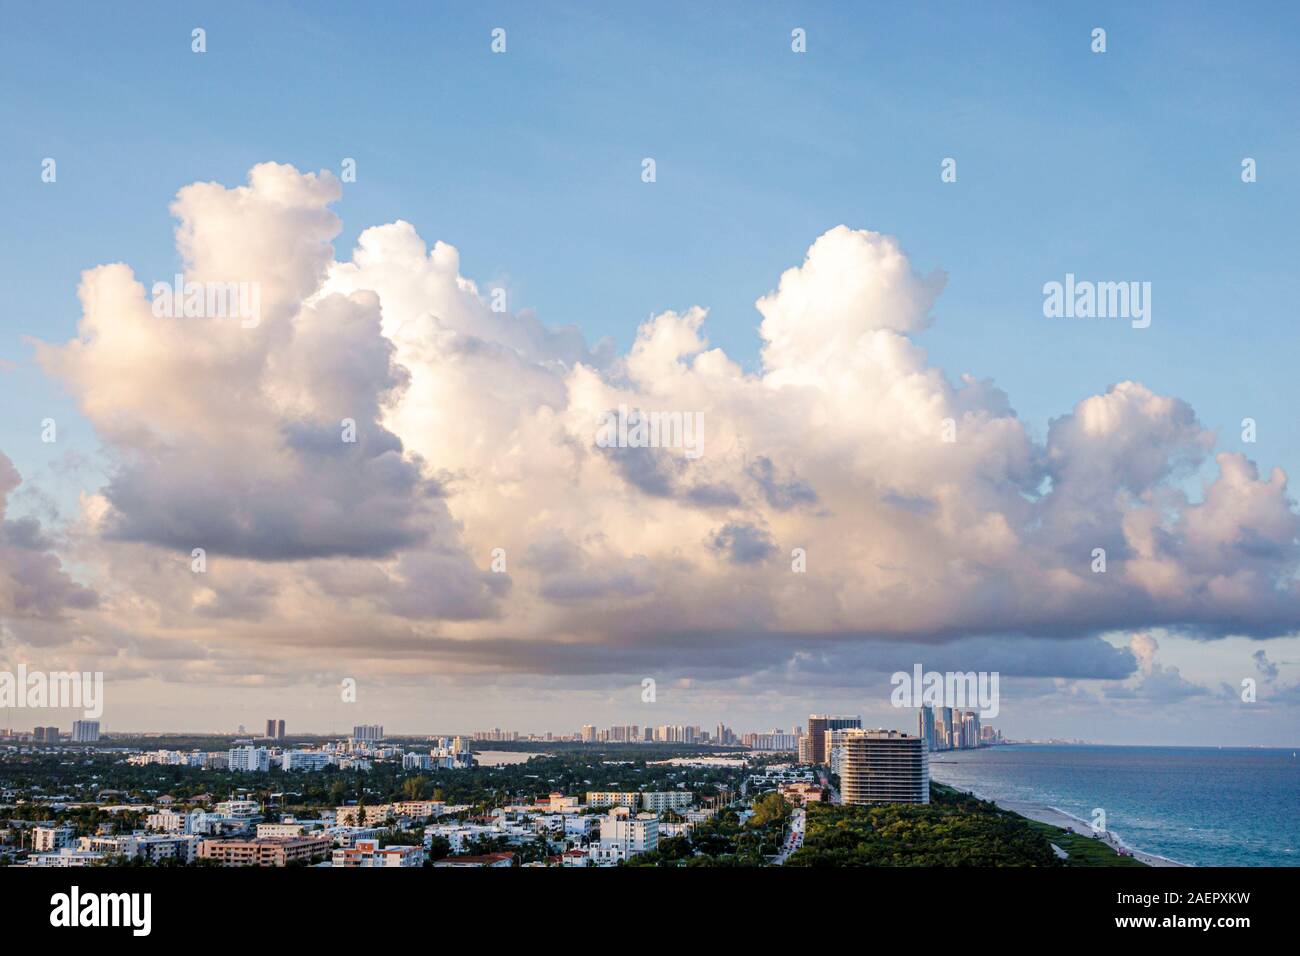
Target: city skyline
603	734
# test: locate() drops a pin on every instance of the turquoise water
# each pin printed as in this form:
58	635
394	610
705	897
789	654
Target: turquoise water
1200	805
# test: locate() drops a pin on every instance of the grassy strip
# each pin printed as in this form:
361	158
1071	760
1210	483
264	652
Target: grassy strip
1083	850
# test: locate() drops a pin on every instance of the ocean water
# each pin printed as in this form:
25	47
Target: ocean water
1199	805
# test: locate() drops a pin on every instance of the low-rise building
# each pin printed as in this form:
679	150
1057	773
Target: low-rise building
267	851
346	836
602	854
612	798
651	801
363	816
151	847
417	809
280	829
244	811
166	821
659	801
368	853
66	857
802	793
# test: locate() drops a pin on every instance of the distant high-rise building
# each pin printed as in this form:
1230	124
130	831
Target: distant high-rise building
776	740
817	727
270	728
368	733
925	726
884	766
45	735
816	739
85	731
279	729
588	733
944	728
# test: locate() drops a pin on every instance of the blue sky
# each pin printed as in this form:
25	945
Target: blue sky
1123	165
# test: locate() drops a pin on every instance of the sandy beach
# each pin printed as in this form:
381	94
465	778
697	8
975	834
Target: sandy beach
1059	818
1066	821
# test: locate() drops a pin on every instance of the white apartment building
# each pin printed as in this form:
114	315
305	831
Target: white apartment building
633	834
202	822
45	839
151	847
306	759
85	731
601	854
249	758
417	762
167	821
834	748
172	758
659	801
65	857
244	811
578	825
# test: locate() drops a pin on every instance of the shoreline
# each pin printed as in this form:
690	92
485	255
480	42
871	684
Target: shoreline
1055	817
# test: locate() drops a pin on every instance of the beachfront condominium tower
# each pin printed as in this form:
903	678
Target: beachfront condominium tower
884	766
